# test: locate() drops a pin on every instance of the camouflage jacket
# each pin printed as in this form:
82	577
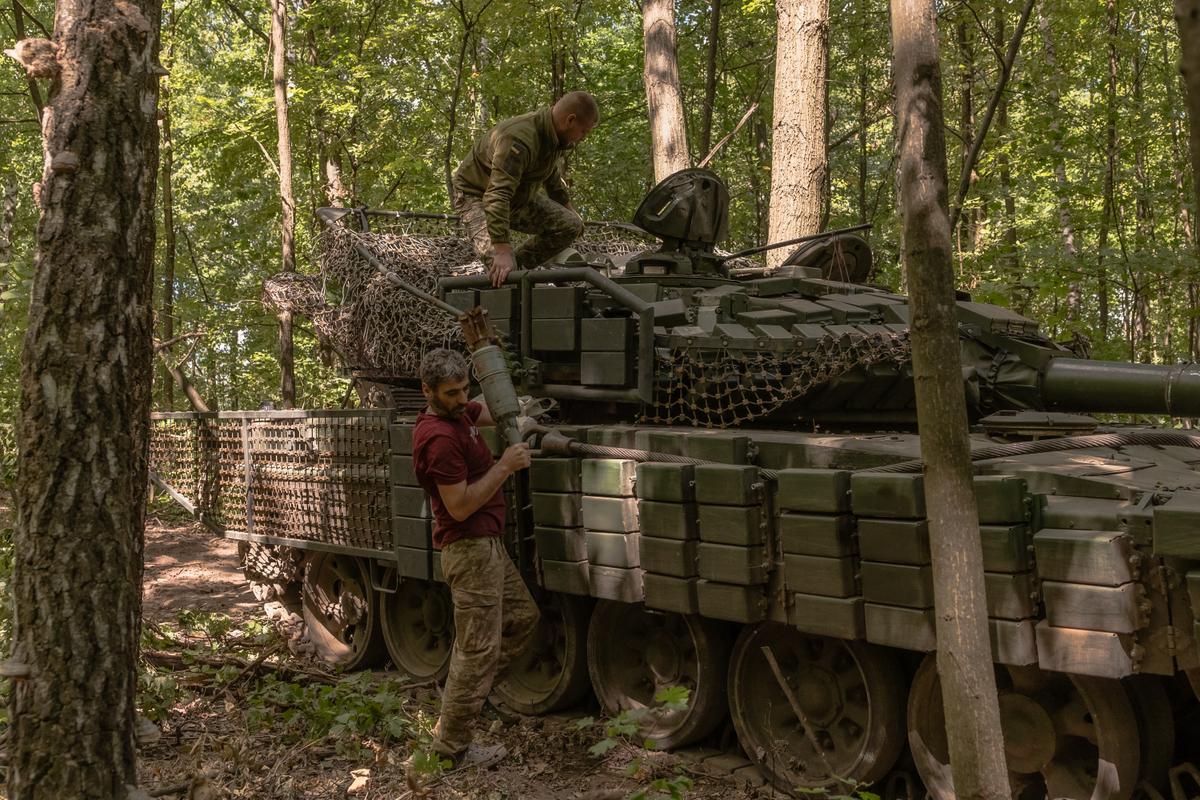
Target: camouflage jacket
508	164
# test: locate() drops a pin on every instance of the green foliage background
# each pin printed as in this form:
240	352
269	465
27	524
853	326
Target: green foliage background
376	81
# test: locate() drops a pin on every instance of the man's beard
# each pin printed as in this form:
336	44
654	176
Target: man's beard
454	412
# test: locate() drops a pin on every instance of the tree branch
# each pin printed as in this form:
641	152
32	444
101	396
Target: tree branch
964	182
35	93
237	12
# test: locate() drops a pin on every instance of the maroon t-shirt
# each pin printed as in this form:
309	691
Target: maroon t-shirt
447	452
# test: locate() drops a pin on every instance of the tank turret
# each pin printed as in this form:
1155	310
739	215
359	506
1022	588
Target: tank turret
676	330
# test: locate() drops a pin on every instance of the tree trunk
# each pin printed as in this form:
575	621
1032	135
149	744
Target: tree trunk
966	92
1066	226
35	93
168	256
1010	260
1108	216
287	366
664	100
799	156
84	418
329	163
864	86
964	653
710	76
8	213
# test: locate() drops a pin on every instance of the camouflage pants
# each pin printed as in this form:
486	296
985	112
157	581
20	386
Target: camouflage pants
494	621
553	227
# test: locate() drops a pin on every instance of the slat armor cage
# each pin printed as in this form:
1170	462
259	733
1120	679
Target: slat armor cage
317	479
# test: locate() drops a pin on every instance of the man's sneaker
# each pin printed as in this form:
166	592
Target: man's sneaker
477	755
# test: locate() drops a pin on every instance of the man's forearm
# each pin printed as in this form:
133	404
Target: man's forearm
478	493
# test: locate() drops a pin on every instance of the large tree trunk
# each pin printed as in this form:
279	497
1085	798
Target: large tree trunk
167	314
964	655
799	157
287	365
84	416
1066	226
710	76
664	100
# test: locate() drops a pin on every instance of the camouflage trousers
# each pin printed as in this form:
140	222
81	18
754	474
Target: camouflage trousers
552	226
495	619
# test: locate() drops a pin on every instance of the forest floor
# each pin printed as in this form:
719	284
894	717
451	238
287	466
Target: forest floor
237	716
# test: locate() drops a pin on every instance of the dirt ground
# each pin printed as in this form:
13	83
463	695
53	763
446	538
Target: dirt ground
206	749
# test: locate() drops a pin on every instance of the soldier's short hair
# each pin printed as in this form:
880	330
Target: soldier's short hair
581	104
441	365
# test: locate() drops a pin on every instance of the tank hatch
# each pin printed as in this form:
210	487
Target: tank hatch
689	212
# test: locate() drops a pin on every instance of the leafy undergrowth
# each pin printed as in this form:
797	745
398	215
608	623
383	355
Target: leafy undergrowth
239	717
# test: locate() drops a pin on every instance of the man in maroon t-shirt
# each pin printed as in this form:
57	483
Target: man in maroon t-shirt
494	615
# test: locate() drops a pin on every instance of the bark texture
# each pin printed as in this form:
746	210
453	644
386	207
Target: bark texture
168	256
287	365
668	129
964	650
799	157
1187	18
84	415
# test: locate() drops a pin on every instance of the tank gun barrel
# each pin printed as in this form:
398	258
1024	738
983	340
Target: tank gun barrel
1074	384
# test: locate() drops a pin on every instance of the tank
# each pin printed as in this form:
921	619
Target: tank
728	498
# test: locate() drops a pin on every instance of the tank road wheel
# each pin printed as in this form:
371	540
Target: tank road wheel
1064	735
852	694
552	674
340	610
418	628
633	653
1156	726
270	569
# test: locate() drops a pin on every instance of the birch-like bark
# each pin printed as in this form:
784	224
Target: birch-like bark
84	418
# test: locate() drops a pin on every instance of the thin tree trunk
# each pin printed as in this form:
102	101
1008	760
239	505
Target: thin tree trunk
966	94
1006	68
8	214
864	85
1107	218
964	655
1010	258
1140	340
799	153
287	366
710	76
1187	19
664	100
329	162
1065	225
83	425
762	152
168	256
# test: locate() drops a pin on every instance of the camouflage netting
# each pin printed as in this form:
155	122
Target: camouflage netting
721	389
373	325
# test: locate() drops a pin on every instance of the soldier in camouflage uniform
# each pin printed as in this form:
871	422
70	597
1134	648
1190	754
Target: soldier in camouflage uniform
496	188
495	617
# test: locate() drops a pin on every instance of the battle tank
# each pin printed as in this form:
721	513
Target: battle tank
728	498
